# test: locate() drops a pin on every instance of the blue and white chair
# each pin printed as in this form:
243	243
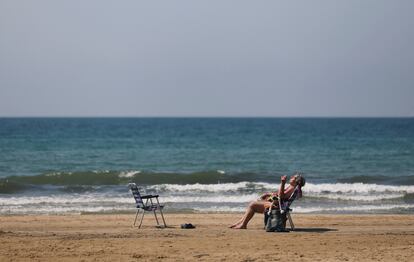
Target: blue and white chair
148	206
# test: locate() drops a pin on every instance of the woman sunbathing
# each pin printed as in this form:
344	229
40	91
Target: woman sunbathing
268	199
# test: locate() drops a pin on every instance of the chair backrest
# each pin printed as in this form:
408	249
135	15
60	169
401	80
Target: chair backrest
137	196
286	204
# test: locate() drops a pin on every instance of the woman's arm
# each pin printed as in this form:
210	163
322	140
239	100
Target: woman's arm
265	196
282	187
288	192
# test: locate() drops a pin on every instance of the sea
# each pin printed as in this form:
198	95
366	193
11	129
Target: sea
84	165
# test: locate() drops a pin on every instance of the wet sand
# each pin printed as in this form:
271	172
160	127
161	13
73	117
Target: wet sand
111	238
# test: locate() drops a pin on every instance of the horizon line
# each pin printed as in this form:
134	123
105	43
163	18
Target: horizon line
183	116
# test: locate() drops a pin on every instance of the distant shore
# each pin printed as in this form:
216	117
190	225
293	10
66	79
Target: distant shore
111	238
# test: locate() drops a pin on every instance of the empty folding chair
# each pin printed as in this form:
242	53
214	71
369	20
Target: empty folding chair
148	205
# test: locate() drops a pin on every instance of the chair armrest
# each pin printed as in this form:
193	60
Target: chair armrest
149	196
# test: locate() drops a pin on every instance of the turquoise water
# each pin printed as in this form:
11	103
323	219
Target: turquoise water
355	164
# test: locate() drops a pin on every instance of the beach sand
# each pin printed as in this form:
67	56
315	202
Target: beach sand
111	238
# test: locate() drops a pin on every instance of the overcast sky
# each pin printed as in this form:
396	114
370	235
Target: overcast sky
207	58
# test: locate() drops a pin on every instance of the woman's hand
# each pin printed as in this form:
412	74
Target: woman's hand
282	186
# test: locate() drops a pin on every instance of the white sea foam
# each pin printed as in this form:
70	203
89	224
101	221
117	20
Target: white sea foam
245	198
354	188
336	191
226	197
129	173
65	209
356	191
361	208
364	208
192	200
96	199
360	197
214	188
211	199
220	209
100	171
64	200
60	209
311	189
57	173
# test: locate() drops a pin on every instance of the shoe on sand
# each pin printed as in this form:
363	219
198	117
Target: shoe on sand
187	226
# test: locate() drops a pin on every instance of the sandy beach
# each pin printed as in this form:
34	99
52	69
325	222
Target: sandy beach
111	238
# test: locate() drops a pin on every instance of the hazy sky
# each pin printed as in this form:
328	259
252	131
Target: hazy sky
207	58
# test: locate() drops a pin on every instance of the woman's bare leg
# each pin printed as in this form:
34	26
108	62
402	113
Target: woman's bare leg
254	207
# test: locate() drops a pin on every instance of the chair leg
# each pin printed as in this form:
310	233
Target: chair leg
142	218
162	215
292	226
156	218
155	214
136	215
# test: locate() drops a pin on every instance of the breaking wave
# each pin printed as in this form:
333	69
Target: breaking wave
15	183
210	191
203	180
379	179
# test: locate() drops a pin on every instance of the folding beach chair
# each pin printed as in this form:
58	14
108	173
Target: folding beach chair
148	205
284	207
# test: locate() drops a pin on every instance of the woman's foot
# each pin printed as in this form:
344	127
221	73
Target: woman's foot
236	224
240	227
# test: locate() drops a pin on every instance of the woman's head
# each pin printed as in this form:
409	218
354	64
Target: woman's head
297	180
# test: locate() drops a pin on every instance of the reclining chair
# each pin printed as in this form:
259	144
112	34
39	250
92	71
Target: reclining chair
284	207
149	205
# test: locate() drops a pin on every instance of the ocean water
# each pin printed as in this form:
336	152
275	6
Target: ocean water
81	165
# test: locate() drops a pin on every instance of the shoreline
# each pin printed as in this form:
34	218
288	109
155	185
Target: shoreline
108	237
196	212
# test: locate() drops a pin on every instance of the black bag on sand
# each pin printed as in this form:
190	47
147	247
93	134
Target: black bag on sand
276	221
